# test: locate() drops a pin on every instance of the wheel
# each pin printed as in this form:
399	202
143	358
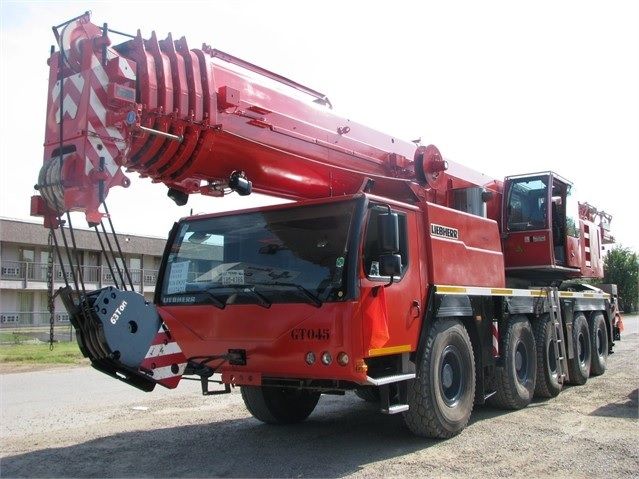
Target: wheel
598	343
441	397
516	379
579	365
274	405
368	393
548	383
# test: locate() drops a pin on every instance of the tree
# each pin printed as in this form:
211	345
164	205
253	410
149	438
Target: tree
622	268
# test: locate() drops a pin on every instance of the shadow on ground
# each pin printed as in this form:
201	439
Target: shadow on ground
334	442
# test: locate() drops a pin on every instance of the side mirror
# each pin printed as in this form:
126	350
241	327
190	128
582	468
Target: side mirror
388	232
390	265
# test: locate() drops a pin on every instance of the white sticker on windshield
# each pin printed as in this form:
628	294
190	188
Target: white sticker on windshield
233	276
177	278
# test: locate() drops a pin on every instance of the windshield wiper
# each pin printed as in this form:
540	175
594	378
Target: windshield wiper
261	299
214	300
244	288
311	297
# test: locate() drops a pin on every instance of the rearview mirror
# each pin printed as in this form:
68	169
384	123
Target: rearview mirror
388	232
390	265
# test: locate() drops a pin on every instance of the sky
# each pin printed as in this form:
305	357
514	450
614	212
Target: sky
503	87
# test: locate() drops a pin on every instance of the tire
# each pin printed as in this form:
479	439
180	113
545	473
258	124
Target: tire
441	397
516	378
548	383
598	343
274	405
579	365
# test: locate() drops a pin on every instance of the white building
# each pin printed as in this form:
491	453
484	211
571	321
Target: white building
24	270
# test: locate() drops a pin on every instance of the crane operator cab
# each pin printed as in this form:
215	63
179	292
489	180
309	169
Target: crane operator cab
540	236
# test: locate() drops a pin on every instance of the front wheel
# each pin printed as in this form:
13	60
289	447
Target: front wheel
442	395
274	405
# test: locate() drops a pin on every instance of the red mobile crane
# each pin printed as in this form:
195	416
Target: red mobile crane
407	278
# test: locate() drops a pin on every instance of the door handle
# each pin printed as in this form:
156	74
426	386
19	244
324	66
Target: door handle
415	304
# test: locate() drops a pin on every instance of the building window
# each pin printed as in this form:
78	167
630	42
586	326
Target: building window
27	255
25	307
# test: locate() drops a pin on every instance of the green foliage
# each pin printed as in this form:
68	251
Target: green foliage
62	353
13	337
621	267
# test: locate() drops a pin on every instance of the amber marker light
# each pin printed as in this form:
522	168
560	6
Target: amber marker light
361	366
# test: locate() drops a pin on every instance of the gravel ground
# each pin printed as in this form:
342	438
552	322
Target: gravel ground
76	422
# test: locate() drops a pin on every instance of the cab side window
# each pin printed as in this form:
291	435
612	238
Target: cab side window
372	249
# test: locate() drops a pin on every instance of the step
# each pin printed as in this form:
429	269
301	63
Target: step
394	378
396	408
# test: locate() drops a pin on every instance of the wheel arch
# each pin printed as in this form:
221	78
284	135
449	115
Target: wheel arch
472	311
443	306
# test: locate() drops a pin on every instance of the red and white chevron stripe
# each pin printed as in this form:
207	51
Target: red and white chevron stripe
165	360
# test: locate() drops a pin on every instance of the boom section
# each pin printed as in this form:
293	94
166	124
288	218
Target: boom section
202	121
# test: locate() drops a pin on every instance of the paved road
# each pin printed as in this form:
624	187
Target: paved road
53	399
79	423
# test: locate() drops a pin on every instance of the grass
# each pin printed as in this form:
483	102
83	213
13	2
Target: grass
13	337
17	348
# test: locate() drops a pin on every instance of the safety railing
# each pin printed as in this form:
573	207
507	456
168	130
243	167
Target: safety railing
97	276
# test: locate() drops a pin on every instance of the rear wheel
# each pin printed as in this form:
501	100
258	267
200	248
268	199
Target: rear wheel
441	397
579	365
548	383
274	405
516	379
598	343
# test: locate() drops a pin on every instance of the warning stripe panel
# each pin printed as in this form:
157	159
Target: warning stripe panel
165	360
163	350
152	362
166	372
483	291
162	336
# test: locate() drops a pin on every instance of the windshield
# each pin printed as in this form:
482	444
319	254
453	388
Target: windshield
526	207
284	255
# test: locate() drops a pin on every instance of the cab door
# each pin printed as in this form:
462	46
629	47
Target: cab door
391	310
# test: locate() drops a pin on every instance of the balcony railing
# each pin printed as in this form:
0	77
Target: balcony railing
96	276
33	318
36	326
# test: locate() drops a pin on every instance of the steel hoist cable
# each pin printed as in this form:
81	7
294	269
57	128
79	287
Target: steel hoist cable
65	248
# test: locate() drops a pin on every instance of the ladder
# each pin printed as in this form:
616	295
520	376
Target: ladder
558	340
